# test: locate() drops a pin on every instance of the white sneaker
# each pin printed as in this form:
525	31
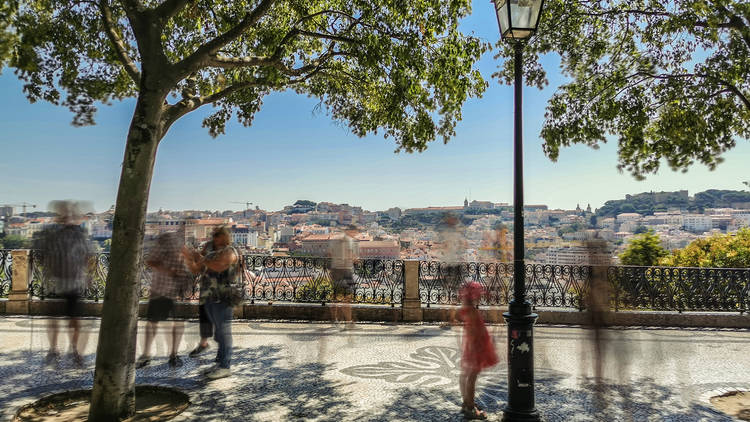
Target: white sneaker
218	373
210	369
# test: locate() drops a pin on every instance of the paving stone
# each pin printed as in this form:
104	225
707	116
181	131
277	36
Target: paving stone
386	372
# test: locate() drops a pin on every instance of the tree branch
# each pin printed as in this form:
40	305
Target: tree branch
736	91
243	62
169	8
239	62
328	36
174	112
118	44
198	58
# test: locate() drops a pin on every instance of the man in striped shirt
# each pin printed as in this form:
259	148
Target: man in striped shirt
66	252
170	282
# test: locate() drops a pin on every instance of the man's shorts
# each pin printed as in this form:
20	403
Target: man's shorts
72	305
159	309
343	281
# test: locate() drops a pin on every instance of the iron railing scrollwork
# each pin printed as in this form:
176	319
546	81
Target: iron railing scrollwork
681	288
546	285
42	285
6	272
569	286
308	279
381	281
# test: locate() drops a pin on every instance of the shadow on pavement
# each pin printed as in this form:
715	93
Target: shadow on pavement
642	401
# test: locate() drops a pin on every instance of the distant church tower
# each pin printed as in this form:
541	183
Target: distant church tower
588	208
578	207
466	203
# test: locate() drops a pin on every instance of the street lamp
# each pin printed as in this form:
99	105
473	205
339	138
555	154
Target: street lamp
518	20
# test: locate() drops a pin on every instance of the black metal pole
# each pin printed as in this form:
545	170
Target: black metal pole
519	318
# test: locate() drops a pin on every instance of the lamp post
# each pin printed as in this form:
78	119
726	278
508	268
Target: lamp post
518	20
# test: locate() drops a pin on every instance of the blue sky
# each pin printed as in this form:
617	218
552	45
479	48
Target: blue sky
292	153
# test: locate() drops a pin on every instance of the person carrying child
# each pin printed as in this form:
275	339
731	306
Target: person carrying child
478	349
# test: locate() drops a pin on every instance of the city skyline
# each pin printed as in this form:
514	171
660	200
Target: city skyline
290	153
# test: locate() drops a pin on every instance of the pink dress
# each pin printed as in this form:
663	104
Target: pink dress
479	351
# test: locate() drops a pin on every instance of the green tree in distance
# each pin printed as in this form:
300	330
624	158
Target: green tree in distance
15	242
304	203
717	251
643	250
402	68
669	79
640	230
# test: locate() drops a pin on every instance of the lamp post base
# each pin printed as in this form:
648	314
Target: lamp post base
513	416
520	405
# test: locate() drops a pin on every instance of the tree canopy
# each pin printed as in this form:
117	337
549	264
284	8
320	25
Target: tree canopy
718	251
400	67
643	250
670	80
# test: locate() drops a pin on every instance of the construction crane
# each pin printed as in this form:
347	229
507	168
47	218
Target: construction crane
23	205
247	206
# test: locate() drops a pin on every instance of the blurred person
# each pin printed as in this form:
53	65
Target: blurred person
495	246
66	252
206	331
343	253
453	247
205	327
478	350
219	265
170	281
597	313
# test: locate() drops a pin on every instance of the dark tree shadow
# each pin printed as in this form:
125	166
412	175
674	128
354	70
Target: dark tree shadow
643	400
260	384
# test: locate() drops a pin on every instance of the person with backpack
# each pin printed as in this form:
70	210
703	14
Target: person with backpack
218	264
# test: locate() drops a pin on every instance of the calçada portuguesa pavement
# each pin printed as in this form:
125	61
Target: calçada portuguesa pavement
303	371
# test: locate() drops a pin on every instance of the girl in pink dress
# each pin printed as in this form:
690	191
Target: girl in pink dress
478	349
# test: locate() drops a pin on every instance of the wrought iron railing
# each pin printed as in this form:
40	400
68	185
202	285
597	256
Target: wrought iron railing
307	279
680	288
568	286
265	278
42	286
380	281
546	285
6	272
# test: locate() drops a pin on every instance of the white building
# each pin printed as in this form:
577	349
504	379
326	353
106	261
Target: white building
575	255
697	223
628	216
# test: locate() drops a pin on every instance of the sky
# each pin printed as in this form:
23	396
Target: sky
292	152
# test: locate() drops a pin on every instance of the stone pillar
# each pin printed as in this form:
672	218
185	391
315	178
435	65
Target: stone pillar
19	298
412	307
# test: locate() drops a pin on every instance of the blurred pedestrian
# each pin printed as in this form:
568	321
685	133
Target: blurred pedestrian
66	251
343	253
170	281
453	247
218	263
478	350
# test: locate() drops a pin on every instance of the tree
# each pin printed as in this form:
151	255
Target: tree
670	80
14	241
402	68
717	251
305	203
644	250
640	230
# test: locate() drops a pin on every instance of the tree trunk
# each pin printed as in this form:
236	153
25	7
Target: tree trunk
113	395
